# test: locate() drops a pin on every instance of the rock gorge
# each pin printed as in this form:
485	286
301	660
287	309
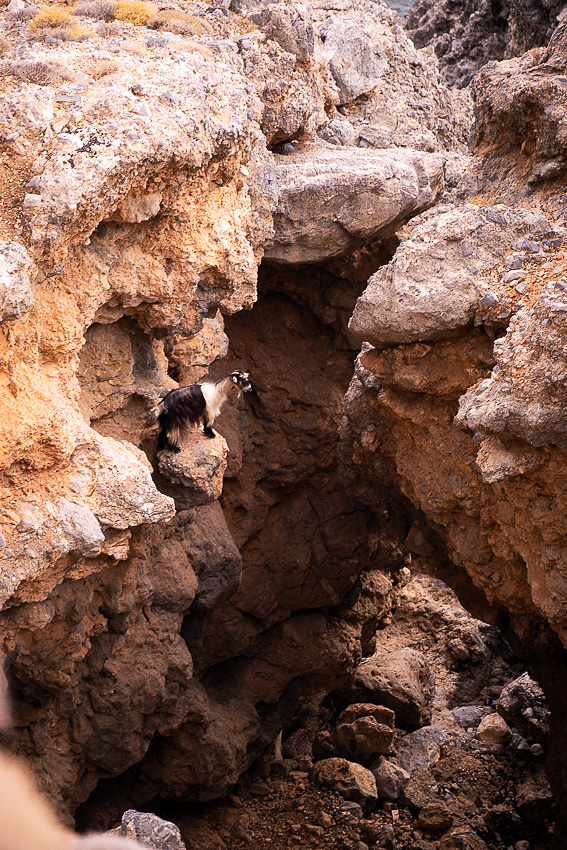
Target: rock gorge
163	617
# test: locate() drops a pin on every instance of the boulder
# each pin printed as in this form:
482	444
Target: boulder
493	729
197	470
331	199
351	780
522	704
390	779
431	288
435	817
365	730
421	749
400	679
151	831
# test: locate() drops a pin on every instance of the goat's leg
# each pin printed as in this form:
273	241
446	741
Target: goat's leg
168	437
207	429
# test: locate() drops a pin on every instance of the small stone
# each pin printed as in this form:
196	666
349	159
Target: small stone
528	245
32	202
390	779
350	780
521	287
352	809
513	275
489	299
435	817
536	750
493	729
497	217
260	789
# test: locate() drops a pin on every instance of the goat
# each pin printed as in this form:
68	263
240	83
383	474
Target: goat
188	406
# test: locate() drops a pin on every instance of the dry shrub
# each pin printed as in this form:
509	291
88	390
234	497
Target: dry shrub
53	18
103	67
74	33
24	14
102	10
136	12
42	73
186	45
181	23
107	29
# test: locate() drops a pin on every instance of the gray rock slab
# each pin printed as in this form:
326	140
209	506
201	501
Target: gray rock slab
429	289
329	199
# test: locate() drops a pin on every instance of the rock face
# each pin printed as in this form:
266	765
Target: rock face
331	200
469	33
161	616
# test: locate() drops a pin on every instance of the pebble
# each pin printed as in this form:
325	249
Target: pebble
513	275
528	245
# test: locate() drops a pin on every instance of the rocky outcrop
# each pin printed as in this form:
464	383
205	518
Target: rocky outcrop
517	112
469	33
162	617
331	200
150	630
434	285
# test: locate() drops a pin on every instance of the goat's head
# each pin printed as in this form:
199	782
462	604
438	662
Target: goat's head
241	382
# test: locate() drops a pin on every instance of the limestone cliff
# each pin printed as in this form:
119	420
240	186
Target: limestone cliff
140	196
163	614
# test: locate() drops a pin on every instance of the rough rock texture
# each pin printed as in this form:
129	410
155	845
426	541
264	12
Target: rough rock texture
163	617
518	131
467	34
351	780
147	630
432	287
400	680
459	788
149	830
331	199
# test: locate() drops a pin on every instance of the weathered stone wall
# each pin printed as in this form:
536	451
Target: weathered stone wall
148	629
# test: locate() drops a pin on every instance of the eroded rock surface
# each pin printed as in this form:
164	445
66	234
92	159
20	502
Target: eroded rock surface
469	33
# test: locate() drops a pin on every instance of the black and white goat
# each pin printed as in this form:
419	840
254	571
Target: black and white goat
189	406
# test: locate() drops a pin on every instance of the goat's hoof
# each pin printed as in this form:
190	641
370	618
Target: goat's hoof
210	433
176	449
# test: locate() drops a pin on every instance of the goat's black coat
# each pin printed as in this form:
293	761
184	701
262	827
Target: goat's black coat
182	407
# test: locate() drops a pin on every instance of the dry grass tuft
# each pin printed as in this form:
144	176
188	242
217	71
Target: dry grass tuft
181	23
41	73
101	10
75	33
186	45
103	67
137	12
483	201
53	18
